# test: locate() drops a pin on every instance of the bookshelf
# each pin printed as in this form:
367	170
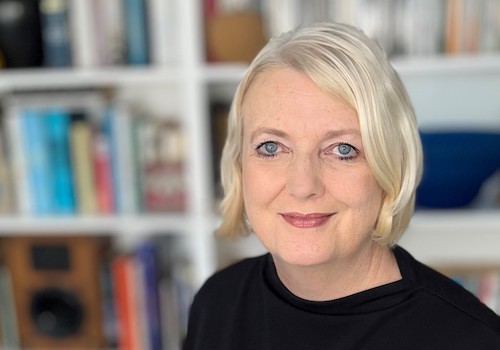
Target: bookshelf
184	88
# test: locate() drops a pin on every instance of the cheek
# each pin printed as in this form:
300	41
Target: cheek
356	189
257	184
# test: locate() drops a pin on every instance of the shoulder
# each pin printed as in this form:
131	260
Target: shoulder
454	303
233	278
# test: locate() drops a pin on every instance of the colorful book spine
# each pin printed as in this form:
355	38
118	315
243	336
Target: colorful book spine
83	167
56	33
136	32
146	256
38	160
58	127
102	145
126	301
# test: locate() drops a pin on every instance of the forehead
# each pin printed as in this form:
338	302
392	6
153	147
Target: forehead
285	98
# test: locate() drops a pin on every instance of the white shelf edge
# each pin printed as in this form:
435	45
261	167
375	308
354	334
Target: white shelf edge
96	225
447	64
30	79
454	237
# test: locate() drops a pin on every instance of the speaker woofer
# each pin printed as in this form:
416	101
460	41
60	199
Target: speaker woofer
56	312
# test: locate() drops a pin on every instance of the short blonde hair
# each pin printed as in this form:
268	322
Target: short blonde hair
347	64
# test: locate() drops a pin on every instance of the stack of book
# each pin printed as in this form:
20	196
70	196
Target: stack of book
74	152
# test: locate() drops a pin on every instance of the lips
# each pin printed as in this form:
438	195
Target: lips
306	220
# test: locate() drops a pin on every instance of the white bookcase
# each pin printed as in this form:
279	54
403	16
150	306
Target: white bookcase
444	89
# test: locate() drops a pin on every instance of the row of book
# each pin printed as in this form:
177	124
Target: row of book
87	33
402	27
144	301
73	152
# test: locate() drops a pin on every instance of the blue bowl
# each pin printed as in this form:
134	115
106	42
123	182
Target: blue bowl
456	164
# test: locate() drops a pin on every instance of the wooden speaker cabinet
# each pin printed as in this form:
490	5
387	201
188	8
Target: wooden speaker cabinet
57	290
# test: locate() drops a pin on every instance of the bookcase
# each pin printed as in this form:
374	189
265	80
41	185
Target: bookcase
180	85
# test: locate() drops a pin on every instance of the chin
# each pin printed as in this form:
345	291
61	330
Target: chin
304	258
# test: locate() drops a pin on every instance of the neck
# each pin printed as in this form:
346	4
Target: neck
369	268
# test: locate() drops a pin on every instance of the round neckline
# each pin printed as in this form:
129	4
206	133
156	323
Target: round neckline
370	300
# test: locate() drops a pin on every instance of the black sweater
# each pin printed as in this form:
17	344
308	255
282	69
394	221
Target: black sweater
246	306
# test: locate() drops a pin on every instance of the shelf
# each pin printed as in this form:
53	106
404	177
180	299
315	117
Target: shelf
455	237
31	79
18	79
134	225
478	64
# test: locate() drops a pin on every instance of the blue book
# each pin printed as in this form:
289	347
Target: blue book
146	255
55	33
136	32
58	123
38	161
108	131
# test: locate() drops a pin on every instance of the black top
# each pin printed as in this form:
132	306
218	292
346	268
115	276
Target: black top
245	306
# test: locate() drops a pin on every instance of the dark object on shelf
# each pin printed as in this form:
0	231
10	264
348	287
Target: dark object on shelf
456	164
20	33
57	312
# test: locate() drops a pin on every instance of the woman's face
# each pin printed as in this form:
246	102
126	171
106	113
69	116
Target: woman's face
308	191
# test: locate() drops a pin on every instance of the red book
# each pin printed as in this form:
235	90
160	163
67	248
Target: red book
126	303
103	174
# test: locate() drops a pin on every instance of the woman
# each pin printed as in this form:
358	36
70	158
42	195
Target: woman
322	161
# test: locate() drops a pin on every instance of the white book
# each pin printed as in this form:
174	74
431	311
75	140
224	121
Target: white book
159	31
109	25
124	165
83	33
17	155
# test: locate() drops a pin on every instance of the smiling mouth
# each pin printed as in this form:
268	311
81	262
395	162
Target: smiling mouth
306	220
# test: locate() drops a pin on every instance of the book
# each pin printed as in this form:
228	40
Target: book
109	24
149	274
83	33
125	286
18	157
6	191
56	33
163	167
35	135
136	32
83	167
123	164
102	155
161	20
58	130
8	318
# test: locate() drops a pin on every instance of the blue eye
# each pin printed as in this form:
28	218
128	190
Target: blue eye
345	151
268	148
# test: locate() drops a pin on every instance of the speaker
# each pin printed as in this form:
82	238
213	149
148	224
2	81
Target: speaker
56	285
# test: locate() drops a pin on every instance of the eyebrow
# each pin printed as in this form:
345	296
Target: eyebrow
342	132
270	131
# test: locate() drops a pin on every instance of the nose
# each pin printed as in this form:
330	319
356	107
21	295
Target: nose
304	178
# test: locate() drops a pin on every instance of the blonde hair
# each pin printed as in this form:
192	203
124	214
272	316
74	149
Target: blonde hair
347	64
